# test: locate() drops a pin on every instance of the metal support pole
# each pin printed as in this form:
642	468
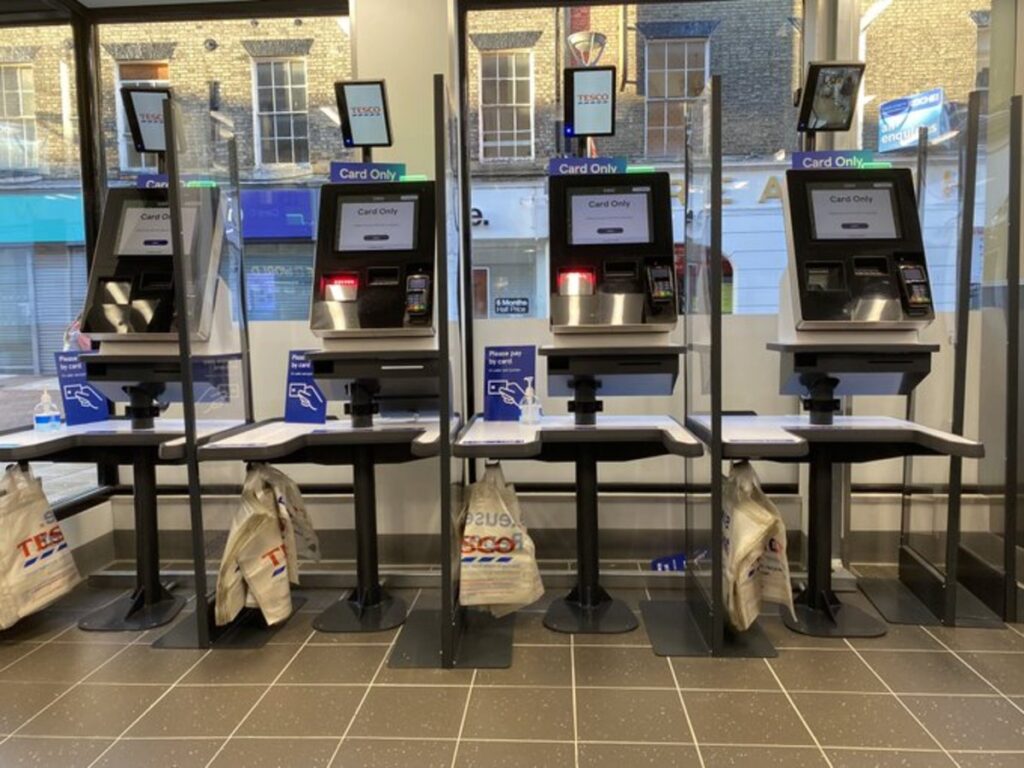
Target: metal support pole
147	543
589	592
368	592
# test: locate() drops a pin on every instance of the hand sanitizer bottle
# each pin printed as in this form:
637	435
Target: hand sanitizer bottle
46	416
530	409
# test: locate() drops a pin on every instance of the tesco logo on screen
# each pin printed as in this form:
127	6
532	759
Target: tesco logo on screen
150	117
593	98
369	111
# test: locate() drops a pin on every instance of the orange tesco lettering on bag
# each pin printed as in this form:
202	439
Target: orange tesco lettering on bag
41	546
280	562
490	545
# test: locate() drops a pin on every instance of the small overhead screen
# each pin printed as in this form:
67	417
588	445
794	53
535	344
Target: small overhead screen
363	109
829	97
609	215
144	110
590	102
852	211
145	229
377	223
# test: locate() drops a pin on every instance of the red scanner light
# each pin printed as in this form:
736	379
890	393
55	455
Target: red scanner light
576	282
342	287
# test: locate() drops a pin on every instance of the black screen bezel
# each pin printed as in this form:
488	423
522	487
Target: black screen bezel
904	201
133	119
346	125
569	112
814	71
660	211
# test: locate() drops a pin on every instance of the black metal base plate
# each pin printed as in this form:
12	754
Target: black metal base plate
486	642
126	615
247	632
346	615
843	621
896	602
673	629
899	605
610	617
972	612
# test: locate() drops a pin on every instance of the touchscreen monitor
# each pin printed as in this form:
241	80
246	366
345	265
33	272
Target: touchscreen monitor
363	109
590	102
144	110
145	229
384	223
853	211
610	216
829	97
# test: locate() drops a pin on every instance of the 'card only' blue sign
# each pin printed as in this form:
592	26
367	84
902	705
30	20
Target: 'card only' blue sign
304	402
83	404
508	371
585	166
358	173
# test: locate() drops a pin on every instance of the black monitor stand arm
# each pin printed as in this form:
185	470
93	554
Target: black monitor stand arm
362	406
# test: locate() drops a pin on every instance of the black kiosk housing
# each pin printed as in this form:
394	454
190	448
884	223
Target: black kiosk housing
858	288
375	279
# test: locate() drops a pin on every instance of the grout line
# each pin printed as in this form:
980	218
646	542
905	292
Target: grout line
65	693
462	724
1014	629
989	683
799	714
903	703
575	707
260	699
148	709
369	686
39	645
686	711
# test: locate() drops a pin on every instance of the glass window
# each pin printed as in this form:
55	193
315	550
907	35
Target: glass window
18	148
136	74
506	105
282	135
42	234
676	72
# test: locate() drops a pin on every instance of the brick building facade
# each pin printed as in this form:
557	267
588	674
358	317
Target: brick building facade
753	44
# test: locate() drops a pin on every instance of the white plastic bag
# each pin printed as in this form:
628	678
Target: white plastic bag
753	549
36	564
260	558
499	565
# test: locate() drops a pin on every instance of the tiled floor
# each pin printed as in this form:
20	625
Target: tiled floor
917	697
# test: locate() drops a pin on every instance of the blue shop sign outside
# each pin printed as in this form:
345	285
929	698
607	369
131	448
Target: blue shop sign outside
900	119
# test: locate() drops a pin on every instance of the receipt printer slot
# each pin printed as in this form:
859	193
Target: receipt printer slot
380	276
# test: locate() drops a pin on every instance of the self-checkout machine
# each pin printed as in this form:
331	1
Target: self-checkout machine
854	298
131	312
613	306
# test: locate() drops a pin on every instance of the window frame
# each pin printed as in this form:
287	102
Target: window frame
648	100
30	149
532	105
257	134
125	145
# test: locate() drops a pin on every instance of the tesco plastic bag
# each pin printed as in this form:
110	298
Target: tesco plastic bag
267	532
499	564
36	564
753	548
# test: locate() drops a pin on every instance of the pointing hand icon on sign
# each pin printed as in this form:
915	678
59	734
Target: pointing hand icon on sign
307	395
82	395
